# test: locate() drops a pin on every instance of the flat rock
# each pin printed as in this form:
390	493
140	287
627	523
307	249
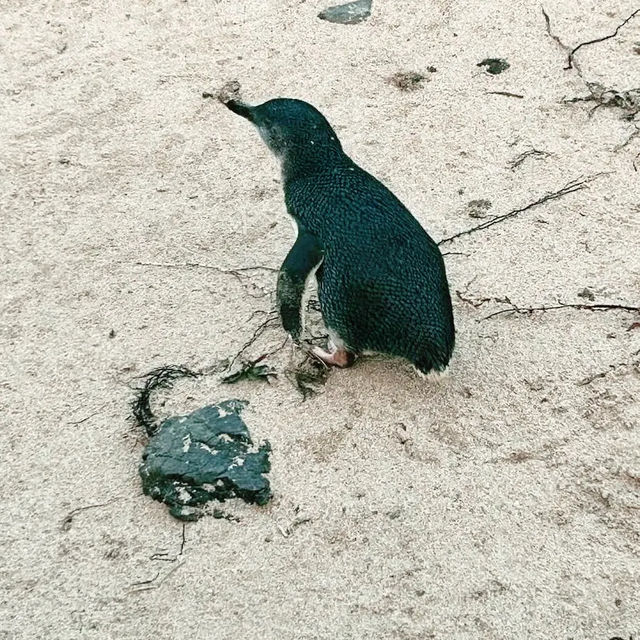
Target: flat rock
350	13
206	455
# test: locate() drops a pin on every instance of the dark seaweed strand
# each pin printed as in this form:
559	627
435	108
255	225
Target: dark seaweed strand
160	378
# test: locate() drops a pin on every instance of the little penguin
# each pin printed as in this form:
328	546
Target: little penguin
382	284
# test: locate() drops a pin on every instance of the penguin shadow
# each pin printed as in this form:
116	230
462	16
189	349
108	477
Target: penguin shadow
395	371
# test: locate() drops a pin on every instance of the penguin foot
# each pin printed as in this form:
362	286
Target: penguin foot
336	358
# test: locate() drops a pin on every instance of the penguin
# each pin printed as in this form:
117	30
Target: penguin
381	278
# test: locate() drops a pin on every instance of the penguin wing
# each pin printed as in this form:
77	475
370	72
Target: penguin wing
302	260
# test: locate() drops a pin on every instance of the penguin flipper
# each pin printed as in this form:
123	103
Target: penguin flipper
302	260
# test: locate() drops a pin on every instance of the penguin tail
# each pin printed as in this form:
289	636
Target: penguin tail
429	364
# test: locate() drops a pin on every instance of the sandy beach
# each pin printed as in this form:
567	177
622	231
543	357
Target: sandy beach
500	502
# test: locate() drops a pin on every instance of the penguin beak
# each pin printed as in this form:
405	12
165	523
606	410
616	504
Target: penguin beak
241	109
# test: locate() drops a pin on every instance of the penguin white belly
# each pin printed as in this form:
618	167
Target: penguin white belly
294	225
307	288
307	292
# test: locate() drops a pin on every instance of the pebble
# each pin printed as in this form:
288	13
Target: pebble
350	13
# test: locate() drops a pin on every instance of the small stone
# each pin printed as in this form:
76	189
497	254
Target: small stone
494	65
350	13
229	91
587	294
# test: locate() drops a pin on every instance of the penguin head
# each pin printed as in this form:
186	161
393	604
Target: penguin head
295	131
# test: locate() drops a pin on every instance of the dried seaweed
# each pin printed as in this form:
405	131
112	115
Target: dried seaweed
572	53
250	370
562	305
309	377
570	187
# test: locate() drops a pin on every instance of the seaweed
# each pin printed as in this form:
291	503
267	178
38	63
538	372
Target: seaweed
160	378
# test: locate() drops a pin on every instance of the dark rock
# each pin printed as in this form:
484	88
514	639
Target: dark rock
494	65
206	455
350	13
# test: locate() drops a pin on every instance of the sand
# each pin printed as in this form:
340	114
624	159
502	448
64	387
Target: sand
500	502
